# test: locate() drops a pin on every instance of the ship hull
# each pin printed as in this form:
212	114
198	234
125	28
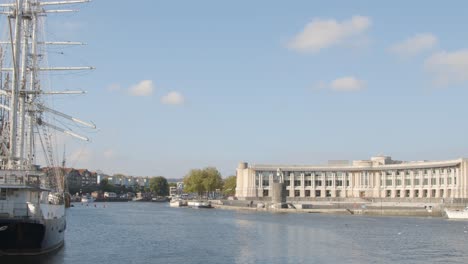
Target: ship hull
29	237
451	214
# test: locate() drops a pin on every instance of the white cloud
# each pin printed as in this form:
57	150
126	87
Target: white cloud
343	84
113	87
143	88
347	84
448	67
80	157
109	154
323	33
414	45
173	98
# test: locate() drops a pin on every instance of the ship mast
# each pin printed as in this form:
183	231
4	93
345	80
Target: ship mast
21	98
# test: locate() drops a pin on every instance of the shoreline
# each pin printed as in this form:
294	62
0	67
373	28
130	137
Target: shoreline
362	209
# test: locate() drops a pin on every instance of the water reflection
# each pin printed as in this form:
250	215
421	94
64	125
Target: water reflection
154	233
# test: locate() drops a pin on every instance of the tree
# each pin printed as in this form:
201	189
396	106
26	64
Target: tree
205	180
159	186
193	182
106	186
229	185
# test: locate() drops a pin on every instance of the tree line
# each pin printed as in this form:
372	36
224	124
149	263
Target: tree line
200	181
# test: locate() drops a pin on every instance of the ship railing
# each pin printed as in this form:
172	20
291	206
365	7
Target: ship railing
21	180
19	210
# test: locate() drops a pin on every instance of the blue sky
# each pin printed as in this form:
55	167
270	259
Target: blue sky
189	84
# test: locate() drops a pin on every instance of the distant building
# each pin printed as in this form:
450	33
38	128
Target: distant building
127	181
88	178
379	177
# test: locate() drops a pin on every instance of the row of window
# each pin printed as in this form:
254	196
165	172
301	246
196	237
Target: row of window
388	193
416	182
288	174
364	181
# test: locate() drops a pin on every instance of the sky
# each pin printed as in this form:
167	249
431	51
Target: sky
181	85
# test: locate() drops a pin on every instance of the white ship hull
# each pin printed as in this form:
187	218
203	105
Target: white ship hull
457	214
87	199
178	203
199	204
31	228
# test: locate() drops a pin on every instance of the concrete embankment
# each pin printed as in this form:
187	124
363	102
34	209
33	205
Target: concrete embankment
364	208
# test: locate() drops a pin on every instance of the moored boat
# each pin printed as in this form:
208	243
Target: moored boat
457	214
32	199
87	199
177	202
199	204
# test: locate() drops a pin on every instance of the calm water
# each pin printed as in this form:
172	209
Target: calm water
154	233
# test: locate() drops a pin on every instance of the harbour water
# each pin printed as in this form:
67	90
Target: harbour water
155	233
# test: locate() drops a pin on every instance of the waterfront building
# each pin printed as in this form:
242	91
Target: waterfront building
379	177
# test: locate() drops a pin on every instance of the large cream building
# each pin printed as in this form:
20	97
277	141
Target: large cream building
378	177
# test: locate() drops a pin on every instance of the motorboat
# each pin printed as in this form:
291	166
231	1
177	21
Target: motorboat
199	204
177	202
457	214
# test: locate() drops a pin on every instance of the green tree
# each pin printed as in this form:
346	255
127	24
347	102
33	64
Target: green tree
201	181
229	185
106	186
159	186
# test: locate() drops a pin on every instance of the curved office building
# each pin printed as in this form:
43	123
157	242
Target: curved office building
378	177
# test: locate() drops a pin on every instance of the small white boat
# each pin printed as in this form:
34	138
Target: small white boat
177	203
199	204
457	214
87	199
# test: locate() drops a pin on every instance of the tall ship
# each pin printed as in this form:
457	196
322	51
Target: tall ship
32	197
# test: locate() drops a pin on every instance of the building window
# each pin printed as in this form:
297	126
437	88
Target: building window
328	193
388	182
433	181
318	193
338	193
424	193
416	193
441	192
398	193
407	193
441	180
416	182
388	193
297	183
308	183
328	183
425	181
287	183
266	182
398	182
433	194
449	180
265	193
2	194
339	183
307	193
407	181
297	193
318	183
